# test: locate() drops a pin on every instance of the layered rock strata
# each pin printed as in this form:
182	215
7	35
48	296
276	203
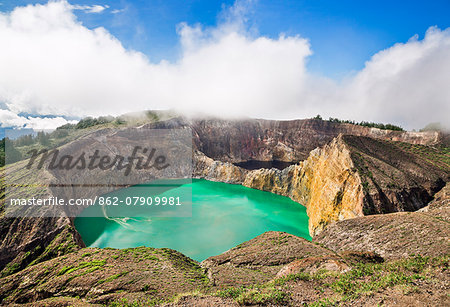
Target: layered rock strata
349	177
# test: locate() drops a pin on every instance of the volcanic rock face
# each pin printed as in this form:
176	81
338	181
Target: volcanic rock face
326	183
32	240
349	177
207	168
289	141
348	170
395	235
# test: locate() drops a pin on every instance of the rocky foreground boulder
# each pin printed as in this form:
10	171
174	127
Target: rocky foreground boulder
259	260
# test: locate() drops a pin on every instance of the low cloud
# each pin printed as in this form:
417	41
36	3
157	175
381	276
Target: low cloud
52	64
11	119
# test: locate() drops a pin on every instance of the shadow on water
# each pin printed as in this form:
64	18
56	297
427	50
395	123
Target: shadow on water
256	164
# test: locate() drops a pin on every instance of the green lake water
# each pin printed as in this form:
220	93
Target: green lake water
223	216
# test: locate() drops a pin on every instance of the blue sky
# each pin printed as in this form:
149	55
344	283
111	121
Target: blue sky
381	61
343	34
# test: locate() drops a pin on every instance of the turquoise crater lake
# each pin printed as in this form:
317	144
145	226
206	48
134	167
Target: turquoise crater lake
223	216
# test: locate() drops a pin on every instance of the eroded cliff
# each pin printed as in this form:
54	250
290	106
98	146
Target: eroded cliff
326	183
290	141
349	177
395	235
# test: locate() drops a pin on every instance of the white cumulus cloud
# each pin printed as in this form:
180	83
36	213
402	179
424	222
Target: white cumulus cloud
407	83
50	63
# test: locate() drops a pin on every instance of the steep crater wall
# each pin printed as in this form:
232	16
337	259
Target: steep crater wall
326	183
349	177
288	141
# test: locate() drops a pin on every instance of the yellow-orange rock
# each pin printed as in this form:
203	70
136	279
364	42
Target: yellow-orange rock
326	183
